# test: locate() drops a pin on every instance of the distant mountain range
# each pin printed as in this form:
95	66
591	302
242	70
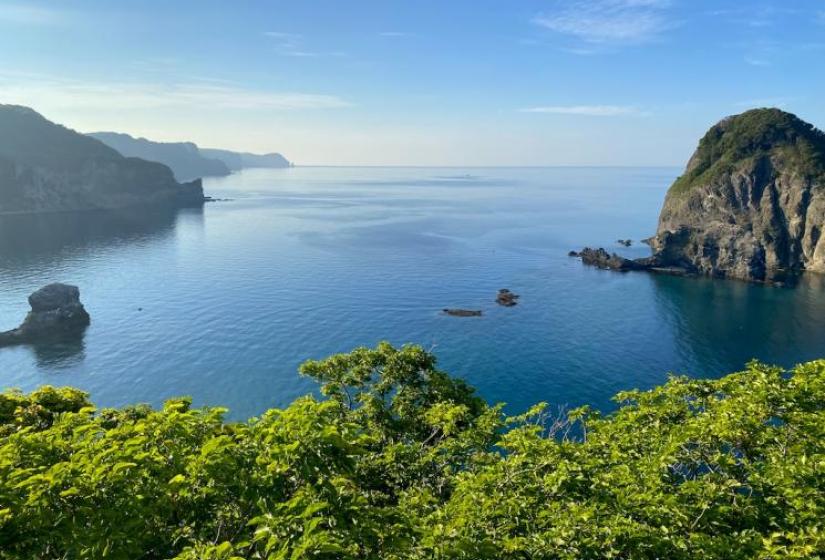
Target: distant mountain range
47	167
186	160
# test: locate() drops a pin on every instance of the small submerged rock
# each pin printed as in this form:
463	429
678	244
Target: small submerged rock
506	298
625	242
56	313
462	312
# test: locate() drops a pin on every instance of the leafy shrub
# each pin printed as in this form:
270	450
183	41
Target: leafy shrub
403	462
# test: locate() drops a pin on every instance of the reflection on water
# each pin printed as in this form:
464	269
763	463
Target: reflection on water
60	353
721	324
25	238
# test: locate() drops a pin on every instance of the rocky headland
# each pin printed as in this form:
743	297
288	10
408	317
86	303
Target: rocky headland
187	160
236	161
750	204
45	167
56	312
183	158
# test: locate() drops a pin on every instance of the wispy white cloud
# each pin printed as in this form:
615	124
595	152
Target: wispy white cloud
757	16
55	92
586	110
292	44
27	14
608	21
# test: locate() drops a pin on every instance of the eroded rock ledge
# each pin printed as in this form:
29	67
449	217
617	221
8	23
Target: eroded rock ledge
600	258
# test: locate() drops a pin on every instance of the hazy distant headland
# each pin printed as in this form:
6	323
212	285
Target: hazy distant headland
183	158
186	160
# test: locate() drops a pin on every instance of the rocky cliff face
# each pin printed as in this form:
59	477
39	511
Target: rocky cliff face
46	167
751	203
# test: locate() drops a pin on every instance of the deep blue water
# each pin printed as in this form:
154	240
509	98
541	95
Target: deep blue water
223	304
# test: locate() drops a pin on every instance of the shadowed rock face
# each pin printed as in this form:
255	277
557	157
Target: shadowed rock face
56	313
45	167
751	204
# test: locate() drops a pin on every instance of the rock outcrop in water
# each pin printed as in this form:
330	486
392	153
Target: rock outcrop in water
506	298
45	167
56	312
751	203
611	261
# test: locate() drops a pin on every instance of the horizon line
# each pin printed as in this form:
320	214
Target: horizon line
431	166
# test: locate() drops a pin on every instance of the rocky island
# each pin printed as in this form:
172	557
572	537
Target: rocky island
45	167
56	312
750	205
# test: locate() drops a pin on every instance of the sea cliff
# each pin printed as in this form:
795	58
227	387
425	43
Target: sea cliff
45	167
751	203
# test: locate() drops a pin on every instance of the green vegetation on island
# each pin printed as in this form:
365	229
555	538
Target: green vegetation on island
742	139
401	461
751	203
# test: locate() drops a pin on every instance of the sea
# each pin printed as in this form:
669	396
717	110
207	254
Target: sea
224	303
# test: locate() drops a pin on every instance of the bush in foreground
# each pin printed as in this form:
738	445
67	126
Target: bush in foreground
400	461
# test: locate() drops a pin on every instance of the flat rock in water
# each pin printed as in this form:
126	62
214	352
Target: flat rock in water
462	312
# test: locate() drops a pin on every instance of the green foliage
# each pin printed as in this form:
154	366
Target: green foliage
743	140
403	462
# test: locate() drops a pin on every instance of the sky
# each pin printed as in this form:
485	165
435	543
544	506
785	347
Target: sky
417	82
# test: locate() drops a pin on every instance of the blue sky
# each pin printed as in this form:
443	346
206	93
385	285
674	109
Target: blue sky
424	82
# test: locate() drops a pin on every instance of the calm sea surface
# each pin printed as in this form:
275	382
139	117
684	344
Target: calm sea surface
223	304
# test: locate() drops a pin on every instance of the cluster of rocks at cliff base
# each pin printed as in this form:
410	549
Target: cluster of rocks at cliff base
750	205
56	312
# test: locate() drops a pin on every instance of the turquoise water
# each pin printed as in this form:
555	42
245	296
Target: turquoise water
223	304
